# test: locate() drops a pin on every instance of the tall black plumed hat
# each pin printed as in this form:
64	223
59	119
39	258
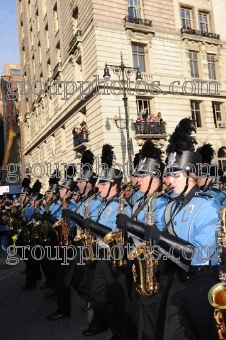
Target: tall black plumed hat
207	153
109	173
68	182
86	168
151	163
181	149
26	186
35	195
136	161
53	182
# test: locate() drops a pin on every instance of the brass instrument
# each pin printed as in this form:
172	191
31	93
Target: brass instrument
46	224
86	239
62	229
36	227
145	263
217	293
13	223
115	239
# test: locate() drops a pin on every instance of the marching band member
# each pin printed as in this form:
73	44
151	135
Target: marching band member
149	174
191	225
111	291
207	178
66	189
32	265
83	275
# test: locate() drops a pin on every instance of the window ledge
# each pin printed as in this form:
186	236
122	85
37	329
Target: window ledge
199	38
139	28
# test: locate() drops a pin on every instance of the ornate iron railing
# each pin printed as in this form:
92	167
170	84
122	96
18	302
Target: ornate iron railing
138	21
200	33
151	128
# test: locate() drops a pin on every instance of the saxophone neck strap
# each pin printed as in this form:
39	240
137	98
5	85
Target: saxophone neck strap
105	204
140	207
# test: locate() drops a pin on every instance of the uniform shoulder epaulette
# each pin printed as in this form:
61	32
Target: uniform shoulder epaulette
215	189
203	195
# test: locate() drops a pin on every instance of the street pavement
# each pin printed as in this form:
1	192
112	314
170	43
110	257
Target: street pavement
23	313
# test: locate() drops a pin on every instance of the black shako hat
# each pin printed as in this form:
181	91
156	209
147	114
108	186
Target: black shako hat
109	173
69	184
86	168
35	195
151	163
181	149
136	161
26	190
207	153
53	182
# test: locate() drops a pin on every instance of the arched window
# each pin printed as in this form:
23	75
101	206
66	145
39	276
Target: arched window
222	158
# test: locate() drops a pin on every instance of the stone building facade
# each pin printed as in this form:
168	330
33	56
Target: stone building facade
64	46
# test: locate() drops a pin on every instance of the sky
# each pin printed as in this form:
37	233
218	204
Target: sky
9	45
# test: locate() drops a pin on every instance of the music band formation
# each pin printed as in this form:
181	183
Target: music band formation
176	290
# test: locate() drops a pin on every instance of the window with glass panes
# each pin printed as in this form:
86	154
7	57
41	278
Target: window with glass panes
193	59
186	18
134	9
143	104
211	66
222	158
217	113
203	22
139	57
196	113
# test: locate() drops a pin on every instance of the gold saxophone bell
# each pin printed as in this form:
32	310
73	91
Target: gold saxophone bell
217	299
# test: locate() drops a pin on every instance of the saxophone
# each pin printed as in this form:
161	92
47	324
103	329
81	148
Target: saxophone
62	229
143	257
86	239
36	228
13	223
217	293
115	239
45	224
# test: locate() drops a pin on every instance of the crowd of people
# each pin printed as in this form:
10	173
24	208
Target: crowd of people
143	116
175	205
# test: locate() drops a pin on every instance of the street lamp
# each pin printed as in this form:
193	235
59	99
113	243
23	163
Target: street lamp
122	71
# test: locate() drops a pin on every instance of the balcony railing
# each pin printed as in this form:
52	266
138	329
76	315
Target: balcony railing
81	137
200	33
138	21
150	128
74	41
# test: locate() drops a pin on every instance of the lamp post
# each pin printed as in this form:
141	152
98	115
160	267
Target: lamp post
123	71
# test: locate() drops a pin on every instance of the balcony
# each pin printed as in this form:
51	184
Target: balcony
150	130
138	25
199	35
56	71
80	140
77	37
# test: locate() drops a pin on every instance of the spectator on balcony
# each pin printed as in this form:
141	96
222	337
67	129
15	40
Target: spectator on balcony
144	114
159	118
84	130
151	118
76	130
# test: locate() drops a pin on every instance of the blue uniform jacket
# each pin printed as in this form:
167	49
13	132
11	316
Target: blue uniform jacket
93	207
28	212
107	212
220	195
136	195
159	205
196	223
